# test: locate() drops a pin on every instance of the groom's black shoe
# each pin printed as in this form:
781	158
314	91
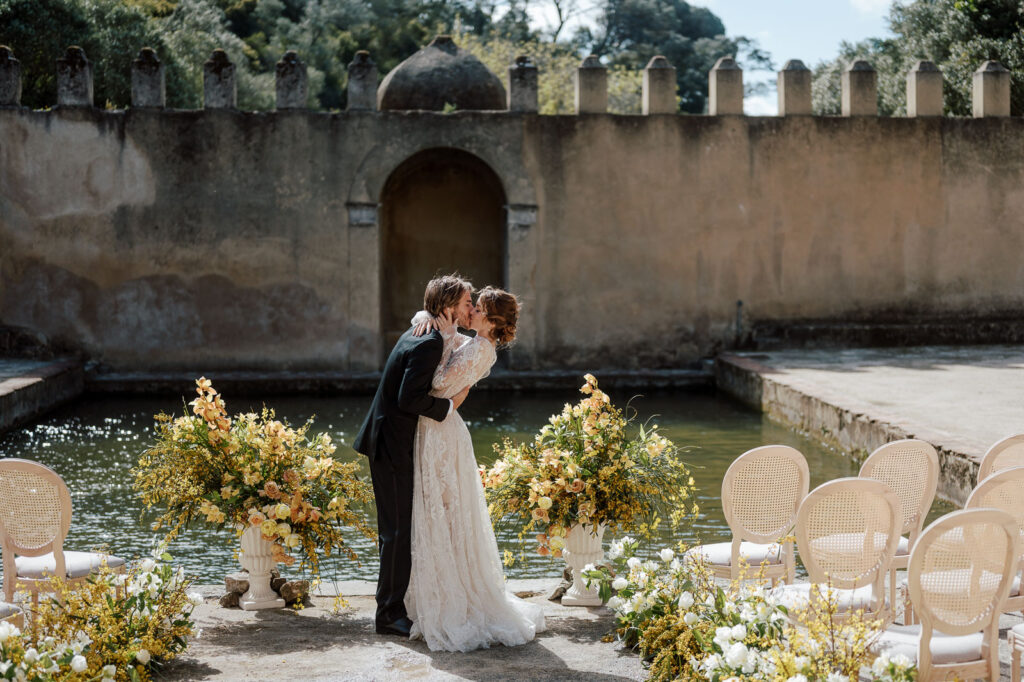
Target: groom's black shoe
400	627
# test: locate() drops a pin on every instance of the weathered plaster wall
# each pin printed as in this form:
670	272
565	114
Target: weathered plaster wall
217	239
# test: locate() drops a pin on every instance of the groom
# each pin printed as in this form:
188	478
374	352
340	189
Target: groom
387	435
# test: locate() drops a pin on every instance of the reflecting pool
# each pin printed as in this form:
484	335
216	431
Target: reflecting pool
94	443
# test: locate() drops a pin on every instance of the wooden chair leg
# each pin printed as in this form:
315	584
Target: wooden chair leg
1011	640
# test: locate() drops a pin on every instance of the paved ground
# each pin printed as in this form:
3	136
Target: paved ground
961	398
314	644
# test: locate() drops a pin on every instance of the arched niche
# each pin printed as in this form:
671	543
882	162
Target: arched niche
441	210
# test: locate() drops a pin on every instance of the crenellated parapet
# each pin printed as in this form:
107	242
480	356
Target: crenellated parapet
924	84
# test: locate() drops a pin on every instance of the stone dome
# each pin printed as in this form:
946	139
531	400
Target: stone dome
441	73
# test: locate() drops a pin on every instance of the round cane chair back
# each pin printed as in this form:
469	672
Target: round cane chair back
961	568
35	508
1003	490
911	468
762	490
847	531
1009	452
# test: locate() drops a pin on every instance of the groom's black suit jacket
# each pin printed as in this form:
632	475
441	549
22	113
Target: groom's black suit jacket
403	395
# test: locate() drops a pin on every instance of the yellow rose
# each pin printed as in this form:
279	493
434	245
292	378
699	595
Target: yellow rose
544	503
268	528
282	511
284	530
293	540
557	543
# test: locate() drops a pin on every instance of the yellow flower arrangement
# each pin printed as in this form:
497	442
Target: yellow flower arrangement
588	467
253	470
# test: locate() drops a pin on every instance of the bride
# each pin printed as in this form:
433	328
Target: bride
457	598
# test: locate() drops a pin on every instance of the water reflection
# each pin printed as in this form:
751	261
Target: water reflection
94	443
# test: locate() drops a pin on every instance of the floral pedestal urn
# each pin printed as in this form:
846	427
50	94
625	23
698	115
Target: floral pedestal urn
258	560
582	547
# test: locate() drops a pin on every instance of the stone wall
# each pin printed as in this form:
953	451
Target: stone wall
161	240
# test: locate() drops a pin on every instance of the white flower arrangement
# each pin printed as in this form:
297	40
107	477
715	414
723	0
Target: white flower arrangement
733	632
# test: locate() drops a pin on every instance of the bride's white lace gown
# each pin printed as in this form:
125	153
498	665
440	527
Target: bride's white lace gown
457	598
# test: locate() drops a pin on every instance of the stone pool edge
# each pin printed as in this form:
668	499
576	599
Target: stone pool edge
38	390
851	432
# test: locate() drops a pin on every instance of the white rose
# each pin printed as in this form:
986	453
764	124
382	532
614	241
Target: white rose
736	656
142	656
634	563
615	551
739	632
31	655
690	618
685	600
879	666
620	583
667	555
195	598
79	664
109	671
615	603
147	565
901	661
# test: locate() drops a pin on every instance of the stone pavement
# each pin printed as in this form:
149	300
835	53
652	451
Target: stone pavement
959	399
315	644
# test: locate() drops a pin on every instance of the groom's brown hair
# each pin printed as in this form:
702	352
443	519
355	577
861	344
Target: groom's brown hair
444	292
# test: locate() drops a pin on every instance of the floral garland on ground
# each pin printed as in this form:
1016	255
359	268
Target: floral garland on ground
115	626
688	626
587	467
253	470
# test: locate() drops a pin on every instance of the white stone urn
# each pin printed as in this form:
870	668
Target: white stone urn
258	560
582	546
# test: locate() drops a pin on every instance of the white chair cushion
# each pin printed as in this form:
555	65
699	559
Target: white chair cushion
78	564
903	639
798	595
7	610
1018	634
720	553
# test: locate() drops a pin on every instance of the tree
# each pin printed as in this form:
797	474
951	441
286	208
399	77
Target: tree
958	35
557	66
630	32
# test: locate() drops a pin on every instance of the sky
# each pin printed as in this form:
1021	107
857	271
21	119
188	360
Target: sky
808	30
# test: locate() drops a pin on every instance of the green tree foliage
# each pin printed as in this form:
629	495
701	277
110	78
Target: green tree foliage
958	35
327	34
557	66
630	32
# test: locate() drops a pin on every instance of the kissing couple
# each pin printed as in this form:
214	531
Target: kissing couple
441	577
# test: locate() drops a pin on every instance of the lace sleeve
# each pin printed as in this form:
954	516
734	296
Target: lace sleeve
468	364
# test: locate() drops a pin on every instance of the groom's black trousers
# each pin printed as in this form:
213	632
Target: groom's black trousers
392	488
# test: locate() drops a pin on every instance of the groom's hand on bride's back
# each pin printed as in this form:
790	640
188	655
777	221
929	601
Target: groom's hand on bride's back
460	397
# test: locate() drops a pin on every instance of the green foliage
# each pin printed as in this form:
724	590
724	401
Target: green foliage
557	65
630	32
957	35
327	33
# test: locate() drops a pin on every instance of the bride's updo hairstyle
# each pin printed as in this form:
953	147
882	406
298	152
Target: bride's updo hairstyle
502	310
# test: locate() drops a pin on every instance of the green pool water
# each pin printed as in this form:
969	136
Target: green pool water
94	442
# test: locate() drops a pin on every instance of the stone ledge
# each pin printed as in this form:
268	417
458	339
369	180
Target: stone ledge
797	393
242	383
28	388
